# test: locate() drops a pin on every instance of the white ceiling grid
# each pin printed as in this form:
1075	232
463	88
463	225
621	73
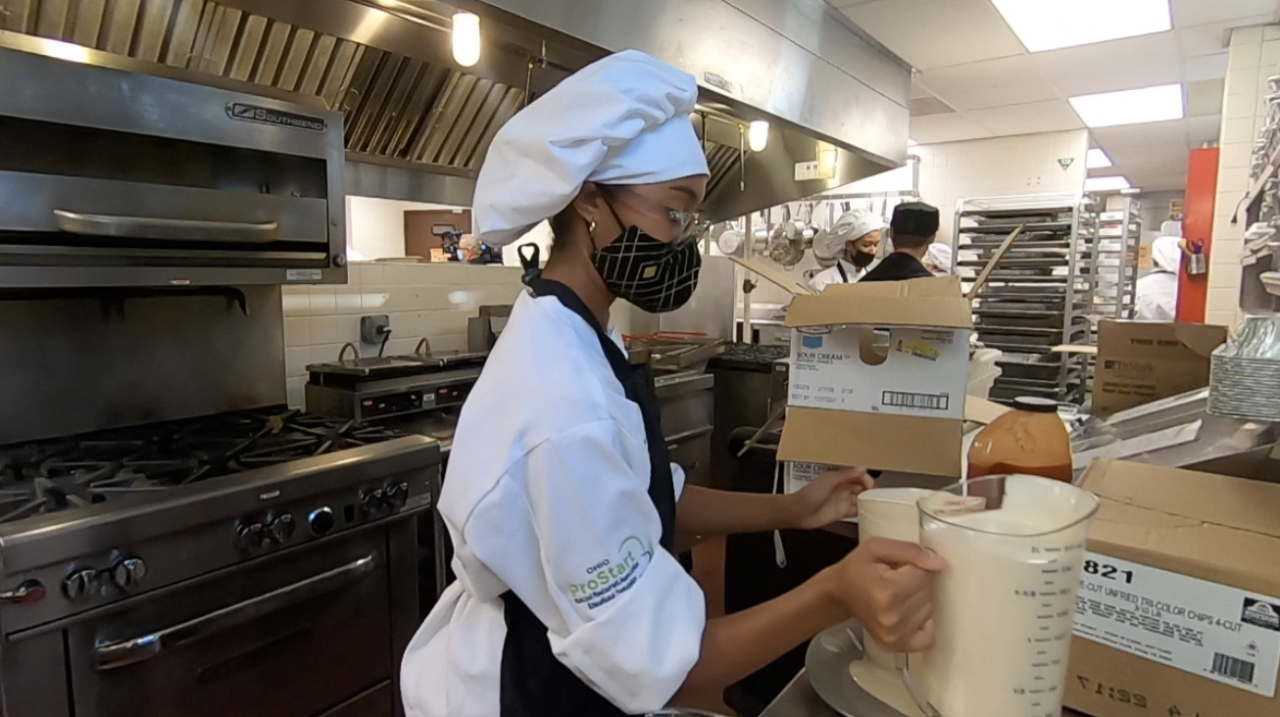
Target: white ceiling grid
968	57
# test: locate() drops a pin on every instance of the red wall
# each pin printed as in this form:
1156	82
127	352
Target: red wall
1202	190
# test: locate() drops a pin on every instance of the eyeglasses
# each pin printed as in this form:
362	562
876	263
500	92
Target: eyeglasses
690	225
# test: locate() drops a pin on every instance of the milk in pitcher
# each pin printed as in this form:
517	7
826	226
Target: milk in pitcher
1004	606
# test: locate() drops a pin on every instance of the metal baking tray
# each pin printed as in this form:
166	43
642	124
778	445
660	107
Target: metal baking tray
1028	262
1044	321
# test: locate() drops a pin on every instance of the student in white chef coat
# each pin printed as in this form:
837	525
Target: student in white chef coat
560	496
1156	294
855	240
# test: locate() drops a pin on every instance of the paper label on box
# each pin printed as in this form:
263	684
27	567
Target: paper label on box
1227	635
924	372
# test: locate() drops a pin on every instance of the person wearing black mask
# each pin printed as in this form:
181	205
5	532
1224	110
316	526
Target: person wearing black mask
912	230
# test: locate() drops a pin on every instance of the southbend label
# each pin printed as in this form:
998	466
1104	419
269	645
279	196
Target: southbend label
1227	635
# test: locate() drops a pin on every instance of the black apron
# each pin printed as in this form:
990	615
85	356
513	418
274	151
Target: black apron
535	683
843	276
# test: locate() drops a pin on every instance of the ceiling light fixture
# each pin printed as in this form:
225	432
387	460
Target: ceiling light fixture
758	135
1053	24
466	38
1131	190
1096	159
911	142
1149	104
1106	184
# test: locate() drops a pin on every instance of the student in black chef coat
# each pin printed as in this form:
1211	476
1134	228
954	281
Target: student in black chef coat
912	230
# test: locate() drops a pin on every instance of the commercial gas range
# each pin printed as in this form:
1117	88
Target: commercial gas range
251	563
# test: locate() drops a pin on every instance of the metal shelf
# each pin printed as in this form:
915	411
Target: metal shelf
1042	291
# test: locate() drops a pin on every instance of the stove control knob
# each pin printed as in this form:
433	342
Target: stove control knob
321	521
373	500
396	494
128	572
250	536
80	584
280	527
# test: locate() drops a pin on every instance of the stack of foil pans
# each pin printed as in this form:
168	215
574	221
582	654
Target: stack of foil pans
1244	378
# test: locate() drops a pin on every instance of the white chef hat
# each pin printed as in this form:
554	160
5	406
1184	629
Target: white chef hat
622	120
851	226
939	255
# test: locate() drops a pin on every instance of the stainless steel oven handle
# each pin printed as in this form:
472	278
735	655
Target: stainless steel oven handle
107	225
111	655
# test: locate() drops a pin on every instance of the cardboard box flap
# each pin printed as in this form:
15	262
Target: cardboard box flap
1218	553
980	410
1234	503
1141	339
916	302
874	440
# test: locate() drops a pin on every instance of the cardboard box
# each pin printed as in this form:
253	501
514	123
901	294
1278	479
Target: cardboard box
1140	362
1179	605
894	401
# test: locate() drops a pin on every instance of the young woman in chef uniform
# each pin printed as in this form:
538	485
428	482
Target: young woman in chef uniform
560	497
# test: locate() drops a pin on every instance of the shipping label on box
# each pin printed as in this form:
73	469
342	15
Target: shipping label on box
901	371
1227	635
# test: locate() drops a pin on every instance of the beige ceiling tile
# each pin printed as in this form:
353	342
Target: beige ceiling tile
1126	64
1137	135
1200	12
1203	129
946	128
937	33
1164	158
1051	116
990	83
1211	37
1204	67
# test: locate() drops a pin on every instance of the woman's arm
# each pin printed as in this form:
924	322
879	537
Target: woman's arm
885	584
829	498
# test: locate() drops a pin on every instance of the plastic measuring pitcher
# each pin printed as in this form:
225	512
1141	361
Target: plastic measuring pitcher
1004	606
891	513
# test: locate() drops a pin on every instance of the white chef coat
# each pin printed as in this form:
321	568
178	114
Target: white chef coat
831	275
547	495
1156	297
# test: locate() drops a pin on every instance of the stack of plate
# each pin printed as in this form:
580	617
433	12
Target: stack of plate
1244	378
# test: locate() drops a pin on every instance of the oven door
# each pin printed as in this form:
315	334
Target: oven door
293	635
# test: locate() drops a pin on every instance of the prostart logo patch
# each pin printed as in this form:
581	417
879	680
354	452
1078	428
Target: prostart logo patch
1261	614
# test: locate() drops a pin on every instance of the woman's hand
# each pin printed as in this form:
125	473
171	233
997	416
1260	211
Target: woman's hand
829	498
885	584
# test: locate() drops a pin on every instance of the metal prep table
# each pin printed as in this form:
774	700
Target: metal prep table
800	700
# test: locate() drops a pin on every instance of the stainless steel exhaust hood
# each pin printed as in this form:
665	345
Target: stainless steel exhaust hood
417	128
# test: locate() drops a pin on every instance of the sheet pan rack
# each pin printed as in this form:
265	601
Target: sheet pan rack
1040	293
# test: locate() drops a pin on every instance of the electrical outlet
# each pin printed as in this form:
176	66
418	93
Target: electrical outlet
373	327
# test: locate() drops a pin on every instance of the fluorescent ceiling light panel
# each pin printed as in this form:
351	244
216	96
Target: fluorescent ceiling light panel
1105	184
1096	159
1131	190
1052	24
1149	104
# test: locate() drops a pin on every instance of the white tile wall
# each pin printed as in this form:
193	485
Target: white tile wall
1253	56
1023	164
422	300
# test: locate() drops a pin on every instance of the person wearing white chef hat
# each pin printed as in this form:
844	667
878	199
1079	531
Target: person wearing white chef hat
854	240
937	259
1156	294
560	496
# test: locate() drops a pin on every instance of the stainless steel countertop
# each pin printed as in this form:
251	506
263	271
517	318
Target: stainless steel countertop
800	700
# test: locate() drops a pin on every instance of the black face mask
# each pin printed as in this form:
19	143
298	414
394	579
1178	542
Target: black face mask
862	259
654	275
